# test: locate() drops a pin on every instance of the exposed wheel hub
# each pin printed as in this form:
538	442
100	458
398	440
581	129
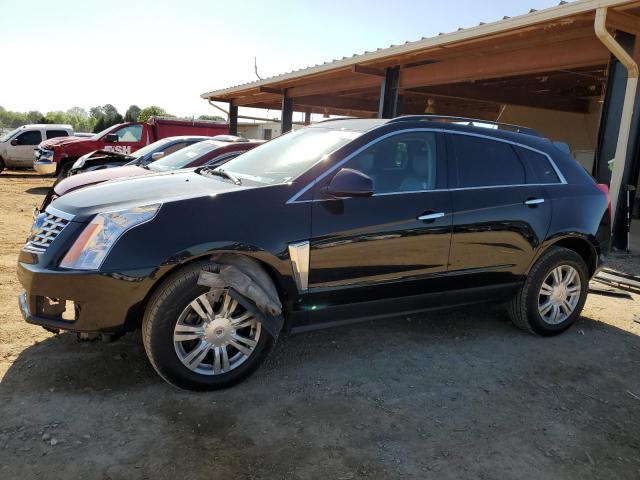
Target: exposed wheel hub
218	331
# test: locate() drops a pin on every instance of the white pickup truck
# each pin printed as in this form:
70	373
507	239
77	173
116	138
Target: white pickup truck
17	147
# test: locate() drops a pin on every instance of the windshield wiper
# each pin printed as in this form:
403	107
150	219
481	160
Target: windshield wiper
222	173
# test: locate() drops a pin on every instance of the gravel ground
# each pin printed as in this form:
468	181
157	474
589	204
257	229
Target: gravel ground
447	395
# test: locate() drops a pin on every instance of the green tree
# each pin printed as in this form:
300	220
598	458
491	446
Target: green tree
34	117
99	125
213	118
152	111
132	114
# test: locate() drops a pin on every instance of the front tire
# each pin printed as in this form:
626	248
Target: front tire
197	339
553	295
2	166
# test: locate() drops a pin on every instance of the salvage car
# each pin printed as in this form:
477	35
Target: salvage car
154	151
340	221
58	155
205	152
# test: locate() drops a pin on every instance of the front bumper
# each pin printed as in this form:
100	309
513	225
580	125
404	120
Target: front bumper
101	302
45	167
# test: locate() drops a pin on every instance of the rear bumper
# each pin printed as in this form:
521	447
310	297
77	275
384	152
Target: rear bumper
99	302
44	167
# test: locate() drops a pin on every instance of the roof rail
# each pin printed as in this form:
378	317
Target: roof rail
469	121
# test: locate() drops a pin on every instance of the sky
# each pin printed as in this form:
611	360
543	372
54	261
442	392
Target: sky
60	54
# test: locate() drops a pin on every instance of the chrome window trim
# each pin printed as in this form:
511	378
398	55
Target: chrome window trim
563	181
59	213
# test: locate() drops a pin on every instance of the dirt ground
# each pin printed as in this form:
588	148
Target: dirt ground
445	395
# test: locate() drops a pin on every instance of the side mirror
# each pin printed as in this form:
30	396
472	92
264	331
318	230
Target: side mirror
156	156
14	142
349	183
111	137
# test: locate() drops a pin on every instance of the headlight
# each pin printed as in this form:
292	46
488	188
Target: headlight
96	240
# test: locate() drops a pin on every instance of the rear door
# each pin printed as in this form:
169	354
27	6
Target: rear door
388	246
500	210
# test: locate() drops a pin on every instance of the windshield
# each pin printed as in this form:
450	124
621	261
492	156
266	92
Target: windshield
152	147
182	158
99	135
7	136
288	156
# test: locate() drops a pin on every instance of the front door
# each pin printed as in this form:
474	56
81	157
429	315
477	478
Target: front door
390	245
501	213
23	152
129	139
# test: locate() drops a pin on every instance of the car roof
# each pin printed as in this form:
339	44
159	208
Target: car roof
351	124
47	125
182	138
514	133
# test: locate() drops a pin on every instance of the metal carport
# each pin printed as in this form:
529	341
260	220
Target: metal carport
567	71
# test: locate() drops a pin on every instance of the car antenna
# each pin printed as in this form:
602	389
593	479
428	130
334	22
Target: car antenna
255	68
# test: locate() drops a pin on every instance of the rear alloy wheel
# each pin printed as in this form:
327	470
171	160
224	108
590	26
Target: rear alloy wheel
559	294
553	294
202	339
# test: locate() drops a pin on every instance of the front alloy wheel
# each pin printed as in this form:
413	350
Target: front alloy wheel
202	339
215	334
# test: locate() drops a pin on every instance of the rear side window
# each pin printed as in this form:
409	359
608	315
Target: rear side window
57	133
540	165
32	137
481	162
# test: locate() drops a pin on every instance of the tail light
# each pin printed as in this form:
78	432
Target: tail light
604	188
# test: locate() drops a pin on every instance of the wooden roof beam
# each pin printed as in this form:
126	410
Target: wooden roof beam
544	58
343	103
623	21
511	96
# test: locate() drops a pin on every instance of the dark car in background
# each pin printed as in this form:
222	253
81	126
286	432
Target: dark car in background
340	221
203	152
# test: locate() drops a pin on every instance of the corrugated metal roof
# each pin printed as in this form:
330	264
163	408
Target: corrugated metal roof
563	9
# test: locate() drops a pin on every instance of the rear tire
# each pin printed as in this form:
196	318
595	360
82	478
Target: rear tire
2	166
176	333
553	295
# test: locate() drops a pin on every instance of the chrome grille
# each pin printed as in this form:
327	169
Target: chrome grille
46	227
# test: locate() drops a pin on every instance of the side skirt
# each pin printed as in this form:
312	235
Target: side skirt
339	315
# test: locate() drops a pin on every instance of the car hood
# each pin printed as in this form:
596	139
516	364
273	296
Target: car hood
54	142
142	190
97	176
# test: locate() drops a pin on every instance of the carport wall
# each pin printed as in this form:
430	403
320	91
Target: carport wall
578	130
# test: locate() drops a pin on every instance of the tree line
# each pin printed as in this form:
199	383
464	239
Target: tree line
95	120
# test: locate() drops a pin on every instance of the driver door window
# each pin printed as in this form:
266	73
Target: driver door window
405	162
130	134
32	138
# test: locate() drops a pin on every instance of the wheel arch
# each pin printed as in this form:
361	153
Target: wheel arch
578	243
268	262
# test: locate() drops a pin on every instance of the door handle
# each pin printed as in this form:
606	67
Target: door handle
534	201
426	217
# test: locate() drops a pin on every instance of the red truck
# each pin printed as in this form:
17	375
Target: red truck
58	154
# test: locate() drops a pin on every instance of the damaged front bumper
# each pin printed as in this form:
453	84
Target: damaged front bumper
83	302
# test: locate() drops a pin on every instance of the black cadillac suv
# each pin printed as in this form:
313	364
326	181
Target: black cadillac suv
342	220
